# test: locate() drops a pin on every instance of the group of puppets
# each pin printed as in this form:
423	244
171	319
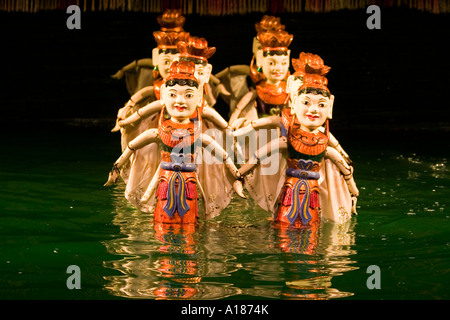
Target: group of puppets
276	144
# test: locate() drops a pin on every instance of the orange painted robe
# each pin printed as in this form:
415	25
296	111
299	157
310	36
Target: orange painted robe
299	201
177	195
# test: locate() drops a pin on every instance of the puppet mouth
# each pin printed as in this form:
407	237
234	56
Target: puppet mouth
312	117
180	108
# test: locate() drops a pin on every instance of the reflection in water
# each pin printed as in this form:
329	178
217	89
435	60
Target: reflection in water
314	256
246	257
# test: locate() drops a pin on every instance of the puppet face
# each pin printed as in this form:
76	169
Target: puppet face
163	61
203	73
275	67
181	101
312	110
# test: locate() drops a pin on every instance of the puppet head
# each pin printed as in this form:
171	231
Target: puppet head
267	23
313	103
166	51
306	63
197	50
181	93
273	58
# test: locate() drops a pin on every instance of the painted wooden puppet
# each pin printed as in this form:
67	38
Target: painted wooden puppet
141	73
198	51
172	191
270	78
293	199
331	185
235	77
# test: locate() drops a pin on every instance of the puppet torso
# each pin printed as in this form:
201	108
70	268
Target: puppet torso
177	189
299	202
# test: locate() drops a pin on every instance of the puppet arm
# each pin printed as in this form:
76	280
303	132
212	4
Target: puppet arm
220	87
147	62
142	113
263	152
214	116
333	142
242	104
239	69
262	123
147	137
347	172
135	98
140	95
152	186
222	154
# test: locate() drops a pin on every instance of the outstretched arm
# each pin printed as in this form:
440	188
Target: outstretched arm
142	113
347	172
262	123
140	95
222	154
135	98
214	116
219	86
152	186
246	99
260	154
147	62
241	69
332	142
140	141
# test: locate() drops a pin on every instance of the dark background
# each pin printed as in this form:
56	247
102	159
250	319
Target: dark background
391	85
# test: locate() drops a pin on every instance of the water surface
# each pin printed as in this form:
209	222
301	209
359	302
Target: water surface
55	212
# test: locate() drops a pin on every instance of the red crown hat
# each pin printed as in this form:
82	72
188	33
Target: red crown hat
171	21
275	40
309	63
169	40
182	70
195	49
314	80
269	23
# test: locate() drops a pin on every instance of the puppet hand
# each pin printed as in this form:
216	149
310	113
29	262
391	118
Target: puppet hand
222	90
128	122
113	176
354	199
118	75
237	123
243	130
116	127
347	158
145	197
238	187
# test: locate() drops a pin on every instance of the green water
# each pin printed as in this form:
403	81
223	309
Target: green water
54	212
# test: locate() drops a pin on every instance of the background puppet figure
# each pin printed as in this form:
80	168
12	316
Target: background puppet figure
269	77
197	51
305	146
146	159
141	73
172	191
144	85
235	77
